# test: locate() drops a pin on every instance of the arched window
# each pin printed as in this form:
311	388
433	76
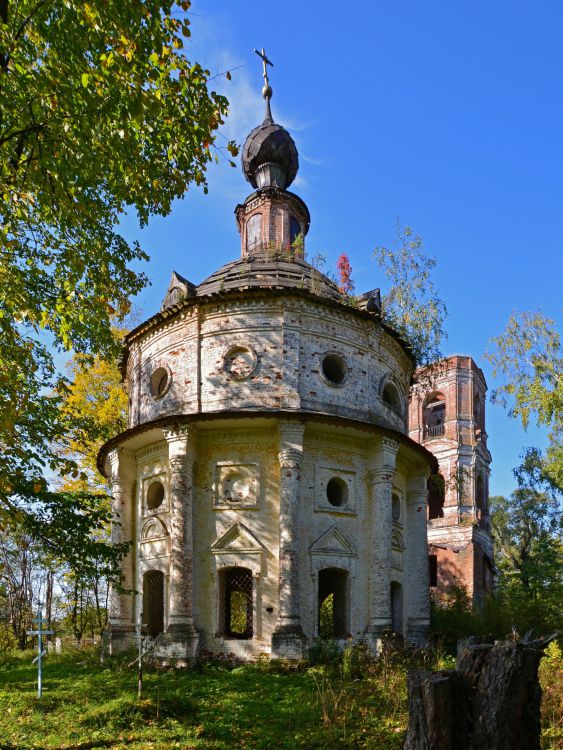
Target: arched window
236	603
333	603
254	233
396	507
153	602
434	416
294	229
396	607
436	496
390	396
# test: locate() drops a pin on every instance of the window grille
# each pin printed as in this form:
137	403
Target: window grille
237	603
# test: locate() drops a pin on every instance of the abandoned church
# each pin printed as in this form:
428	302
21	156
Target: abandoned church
274	477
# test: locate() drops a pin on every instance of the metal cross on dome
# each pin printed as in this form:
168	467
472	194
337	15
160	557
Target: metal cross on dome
40	650
265	63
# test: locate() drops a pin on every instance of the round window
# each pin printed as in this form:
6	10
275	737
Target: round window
337	492
160	382
155	495
334	369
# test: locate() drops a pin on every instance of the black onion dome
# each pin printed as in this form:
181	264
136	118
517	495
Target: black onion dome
268	271
269	156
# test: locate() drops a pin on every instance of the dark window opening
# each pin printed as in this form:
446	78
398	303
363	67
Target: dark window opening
333	603
435	416
390	396
436	496
433	570
396	607
334	369
236	590
155	495
153	602
337	492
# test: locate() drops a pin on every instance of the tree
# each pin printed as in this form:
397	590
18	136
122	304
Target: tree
412	305
527	358
528	536
100	111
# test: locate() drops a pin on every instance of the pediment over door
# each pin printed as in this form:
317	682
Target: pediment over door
334	543
238	538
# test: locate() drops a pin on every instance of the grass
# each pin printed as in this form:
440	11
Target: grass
353	703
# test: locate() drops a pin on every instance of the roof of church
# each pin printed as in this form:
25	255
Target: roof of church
270	270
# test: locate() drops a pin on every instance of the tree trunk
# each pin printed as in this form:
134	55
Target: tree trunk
491	701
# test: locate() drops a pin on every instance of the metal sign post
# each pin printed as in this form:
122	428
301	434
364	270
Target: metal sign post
40	651
139	629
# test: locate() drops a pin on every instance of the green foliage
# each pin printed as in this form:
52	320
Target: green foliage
412	305
529	554
100	111
527	358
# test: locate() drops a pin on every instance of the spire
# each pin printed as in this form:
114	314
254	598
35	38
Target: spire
266	89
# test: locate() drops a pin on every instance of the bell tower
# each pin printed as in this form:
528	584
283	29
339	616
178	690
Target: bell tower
447	415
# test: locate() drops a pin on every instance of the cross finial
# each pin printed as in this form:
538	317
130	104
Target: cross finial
265	62
266	89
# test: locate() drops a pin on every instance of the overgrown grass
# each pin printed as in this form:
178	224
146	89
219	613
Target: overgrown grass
347	702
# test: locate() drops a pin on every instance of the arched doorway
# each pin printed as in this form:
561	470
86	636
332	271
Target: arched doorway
332	615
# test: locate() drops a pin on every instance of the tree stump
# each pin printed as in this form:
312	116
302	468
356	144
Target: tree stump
491	701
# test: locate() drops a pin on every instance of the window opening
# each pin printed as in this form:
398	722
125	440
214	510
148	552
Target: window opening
480	494
237	603
294	229
155	495
435	416
337	492
153	602
254	232
332	603
436	496
334	369
390	396
159	382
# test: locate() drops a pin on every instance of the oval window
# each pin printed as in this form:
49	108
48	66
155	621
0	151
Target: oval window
155	495
337	492
334	369
160	382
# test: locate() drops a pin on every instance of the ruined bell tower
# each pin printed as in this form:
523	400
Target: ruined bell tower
447	416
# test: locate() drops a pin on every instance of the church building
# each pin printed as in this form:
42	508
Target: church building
267	481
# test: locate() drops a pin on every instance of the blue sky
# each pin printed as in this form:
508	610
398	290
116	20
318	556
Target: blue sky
446	116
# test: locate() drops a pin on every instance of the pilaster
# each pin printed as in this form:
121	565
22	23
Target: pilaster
120	631
418	585
383	463
181	636
288	640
